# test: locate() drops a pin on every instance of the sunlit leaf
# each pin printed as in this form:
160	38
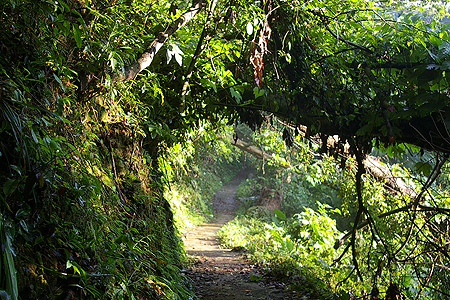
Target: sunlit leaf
77	34
280	215
405	280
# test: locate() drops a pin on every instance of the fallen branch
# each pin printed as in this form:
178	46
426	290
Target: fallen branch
250	148
382	172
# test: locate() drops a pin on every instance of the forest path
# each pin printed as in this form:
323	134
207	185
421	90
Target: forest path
221	274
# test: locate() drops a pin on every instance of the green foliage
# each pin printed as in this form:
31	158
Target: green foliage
85	160
296	259
240	231
245	189
194	171
310	238
316	230
7	262
255	277
246	194
75	186
77	211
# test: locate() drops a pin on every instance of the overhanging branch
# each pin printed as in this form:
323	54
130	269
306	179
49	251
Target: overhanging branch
147	57
349	42
422	208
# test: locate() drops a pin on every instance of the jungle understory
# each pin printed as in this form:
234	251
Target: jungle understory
121	125
219	273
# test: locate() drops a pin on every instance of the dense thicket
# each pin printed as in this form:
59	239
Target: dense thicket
93	93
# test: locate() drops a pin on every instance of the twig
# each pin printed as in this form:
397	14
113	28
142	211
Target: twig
348	42
432	178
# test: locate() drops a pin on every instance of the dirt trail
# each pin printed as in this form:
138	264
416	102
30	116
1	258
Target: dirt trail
221	274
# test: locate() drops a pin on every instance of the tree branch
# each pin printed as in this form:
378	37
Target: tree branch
348	42
198	50
147	57
358	186
423	208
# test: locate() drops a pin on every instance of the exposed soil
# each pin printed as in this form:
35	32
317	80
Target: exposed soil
224	274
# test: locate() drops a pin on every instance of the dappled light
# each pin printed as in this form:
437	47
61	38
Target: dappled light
222	273
230	149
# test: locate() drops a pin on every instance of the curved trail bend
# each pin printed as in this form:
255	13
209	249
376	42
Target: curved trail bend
221	274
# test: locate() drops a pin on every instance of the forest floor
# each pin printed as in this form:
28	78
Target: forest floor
224	274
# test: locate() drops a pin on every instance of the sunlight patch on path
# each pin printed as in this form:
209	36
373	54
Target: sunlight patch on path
202	240
221	274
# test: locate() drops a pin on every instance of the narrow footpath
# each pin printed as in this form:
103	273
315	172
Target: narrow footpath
223	274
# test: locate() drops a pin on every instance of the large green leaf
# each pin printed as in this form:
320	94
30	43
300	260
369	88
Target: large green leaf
279	214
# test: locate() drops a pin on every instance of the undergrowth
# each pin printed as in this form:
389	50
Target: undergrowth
193	172
295	251
85	178
297	246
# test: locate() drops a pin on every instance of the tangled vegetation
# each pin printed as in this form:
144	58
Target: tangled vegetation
87	174
102	103
301	239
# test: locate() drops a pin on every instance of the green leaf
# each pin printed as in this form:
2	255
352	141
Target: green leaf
365	129
76	268
72	147
316	233
255	277
344	295
406	280
22	212
236	95
33	135
10	185
52	145
10	270
257	92
213	85
424	168
288	244
77	34
24	225
280	215
59	81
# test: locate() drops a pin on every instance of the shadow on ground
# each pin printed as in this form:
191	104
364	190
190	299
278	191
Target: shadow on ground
221	274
